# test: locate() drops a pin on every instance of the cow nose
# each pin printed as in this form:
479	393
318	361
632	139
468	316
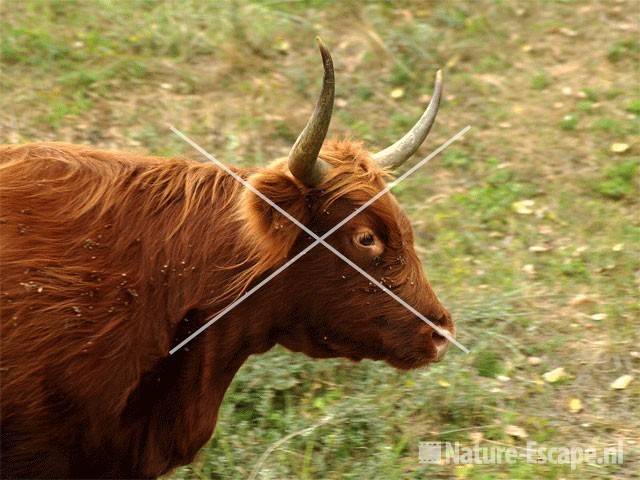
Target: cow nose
439	338
440	343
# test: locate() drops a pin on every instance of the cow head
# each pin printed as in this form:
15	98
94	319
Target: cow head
333	310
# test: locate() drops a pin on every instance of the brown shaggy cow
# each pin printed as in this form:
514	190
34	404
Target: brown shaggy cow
110	259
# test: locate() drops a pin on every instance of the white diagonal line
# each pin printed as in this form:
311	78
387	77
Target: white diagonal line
318	240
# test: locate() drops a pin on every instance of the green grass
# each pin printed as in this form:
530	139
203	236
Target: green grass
620	181
634	106
241	77
624	49
487	363
540	81
569	122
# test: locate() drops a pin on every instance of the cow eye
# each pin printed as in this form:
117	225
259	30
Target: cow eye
366	239
367	242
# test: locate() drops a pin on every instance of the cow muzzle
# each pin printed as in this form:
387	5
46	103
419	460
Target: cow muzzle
438	337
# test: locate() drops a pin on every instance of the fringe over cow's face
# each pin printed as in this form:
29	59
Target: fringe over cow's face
334	310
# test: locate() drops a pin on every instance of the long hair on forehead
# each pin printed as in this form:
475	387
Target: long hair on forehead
353	172
357	178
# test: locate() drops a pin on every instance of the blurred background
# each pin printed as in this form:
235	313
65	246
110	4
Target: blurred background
528	228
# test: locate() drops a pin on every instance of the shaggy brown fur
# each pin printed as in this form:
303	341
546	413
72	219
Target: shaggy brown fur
109	259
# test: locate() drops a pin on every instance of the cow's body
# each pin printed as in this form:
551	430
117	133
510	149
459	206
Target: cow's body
99	279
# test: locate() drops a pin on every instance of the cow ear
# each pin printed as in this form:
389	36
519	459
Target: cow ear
268	229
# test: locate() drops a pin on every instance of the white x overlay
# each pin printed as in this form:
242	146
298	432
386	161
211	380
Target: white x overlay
318	240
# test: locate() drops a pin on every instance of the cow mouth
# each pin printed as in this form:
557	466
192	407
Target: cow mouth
422	353
415	354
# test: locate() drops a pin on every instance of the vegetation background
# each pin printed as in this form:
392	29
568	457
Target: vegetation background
528	228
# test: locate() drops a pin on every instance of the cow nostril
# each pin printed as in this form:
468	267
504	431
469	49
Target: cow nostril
440	343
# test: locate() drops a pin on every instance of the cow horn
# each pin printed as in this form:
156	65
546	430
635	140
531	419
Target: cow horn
304	163
395	155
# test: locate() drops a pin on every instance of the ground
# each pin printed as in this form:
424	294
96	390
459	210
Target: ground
528	228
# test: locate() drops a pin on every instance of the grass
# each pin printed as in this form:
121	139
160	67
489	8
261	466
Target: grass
619	181
540	81
548	87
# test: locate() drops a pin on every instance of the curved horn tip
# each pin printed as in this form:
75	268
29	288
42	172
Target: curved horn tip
304	163
438	83
395	155
327	61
